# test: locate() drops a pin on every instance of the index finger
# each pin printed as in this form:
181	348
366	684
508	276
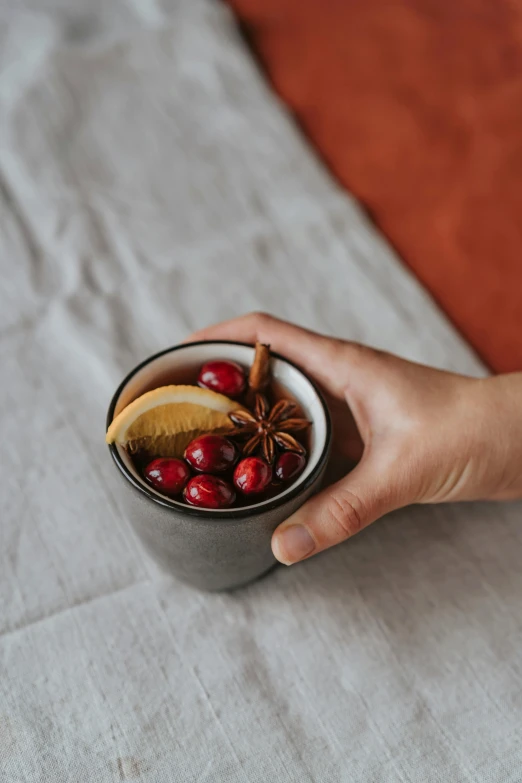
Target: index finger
314	352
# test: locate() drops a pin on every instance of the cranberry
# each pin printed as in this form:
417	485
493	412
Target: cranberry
289	465
211	454
252	475
223	377
209	492
167	475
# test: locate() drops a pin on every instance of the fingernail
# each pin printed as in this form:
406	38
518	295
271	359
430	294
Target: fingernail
292	544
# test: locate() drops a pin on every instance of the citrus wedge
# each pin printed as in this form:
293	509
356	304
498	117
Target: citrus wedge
164	421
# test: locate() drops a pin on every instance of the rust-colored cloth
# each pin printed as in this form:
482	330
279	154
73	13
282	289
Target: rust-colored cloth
416	106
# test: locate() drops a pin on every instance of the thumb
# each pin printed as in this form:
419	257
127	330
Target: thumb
337	513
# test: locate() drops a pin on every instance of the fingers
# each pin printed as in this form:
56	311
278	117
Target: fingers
258	326
312	351
249	328
334	515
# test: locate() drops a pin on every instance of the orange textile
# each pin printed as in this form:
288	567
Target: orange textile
416	106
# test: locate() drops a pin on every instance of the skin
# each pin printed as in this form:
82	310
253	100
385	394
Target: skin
403	433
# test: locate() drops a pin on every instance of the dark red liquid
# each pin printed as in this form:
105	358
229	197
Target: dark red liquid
273	394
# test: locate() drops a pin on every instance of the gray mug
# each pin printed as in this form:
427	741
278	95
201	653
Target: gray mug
215	549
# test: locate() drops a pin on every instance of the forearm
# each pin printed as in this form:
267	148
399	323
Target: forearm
502	404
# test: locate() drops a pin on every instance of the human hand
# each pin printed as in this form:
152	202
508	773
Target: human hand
416	434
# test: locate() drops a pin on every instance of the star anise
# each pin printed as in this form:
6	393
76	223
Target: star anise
267	427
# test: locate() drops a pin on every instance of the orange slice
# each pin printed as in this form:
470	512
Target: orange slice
164	421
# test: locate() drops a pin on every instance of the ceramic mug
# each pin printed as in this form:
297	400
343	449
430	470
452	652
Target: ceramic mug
208	548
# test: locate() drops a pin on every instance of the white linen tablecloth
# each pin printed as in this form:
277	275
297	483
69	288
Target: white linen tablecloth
150	183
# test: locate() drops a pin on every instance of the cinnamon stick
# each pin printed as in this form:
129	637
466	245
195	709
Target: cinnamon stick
259	376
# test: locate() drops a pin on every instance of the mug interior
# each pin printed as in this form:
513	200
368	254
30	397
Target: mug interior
178	364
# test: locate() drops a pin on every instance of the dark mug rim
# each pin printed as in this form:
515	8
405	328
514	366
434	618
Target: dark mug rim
234	513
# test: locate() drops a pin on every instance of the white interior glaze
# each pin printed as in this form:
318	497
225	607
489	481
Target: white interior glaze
164	370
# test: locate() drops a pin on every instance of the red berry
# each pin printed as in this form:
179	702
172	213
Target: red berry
209	492
211	454
223	377
167	475
252	475
289	465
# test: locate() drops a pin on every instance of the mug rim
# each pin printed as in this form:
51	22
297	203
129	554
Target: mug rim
234	513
